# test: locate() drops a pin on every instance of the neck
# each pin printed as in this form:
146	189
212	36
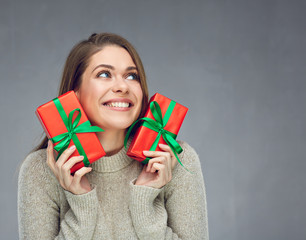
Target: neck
112	141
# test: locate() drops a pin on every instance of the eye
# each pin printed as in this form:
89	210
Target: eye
132	76
104	74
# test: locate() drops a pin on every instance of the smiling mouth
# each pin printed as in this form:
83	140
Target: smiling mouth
118	104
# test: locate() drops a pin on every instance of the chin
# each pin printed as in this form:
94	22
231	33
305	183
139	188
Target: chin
114	122
122	126
118	125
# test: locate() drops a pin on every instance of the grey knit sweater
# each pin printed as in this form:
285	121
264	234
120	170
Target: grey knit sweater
115	208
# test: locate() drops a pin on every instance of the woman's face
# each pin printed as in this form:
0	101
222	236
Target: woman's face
110	92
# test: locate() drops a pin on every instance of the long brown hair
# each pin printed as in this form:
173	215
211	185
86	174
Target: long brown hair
78	60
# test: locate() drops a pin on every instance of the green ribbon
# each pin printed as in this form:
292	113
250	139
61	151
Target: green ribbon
72	128
158	125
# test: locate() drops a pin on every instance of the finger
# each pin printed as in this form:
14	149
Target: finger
165	173
156	154
158	166
165	147
71	162
65	155
165	155
65	173
79	174
161	160
162	172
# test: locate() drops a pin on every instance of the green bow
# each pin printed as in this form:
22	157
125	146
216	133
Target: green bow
158	125
72	129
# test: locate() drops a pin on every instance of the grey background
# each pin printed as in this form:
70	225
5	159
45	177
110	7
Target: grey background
238	65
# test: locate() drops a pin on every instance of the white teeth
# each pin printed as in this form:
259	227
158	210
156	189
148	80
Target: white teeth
118	104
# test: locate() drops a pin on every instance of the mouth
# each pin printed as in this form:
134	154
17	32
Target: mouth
119	104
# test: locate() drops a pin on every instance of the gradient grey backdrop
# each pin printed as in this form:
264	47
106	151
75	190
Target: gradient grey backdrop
238	65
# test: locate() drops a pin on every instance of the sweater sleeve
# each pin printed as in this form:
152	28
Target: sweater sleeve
39	205
176	211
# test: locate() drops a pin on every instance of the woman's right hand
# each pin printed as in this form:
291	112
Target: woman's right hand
76	184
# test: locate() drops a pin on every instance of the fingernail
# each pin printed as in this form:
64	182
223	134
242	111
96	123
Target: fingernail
72	147
81	157
145	152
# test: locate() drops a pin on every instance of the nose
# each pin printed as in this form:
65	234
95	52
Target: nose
120	86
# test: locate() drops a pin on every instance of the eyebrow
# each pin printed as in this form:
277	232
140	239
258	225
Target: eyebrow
113	68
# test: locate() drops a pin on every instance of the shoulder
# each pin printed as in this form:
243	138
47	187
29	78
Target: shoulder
189	159
34	167
34	161
37	185
187	176
188	151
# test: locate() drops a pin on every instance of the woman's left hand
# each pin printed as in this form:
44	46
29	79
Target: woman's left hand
158	172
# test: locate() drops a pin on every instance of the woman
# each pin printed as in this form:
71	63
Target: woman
117	197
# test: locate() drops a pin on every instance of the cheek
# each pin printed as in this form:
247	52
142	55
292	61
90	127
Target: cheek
87	91
140	98
80	95
138	92
85	100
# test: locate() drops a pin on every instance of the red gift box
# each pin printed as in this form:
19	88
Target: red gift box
51	115
145	137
